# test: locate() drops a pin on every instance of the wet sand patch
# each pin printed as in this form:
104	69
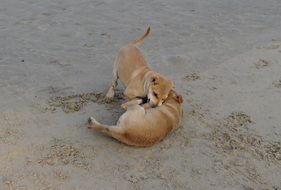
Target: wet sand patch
64	152
273	151
75	103
235	133
10	136
232	133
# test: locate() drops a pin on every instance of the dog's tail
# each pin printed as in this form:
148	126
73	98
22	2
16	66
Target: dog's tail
139	41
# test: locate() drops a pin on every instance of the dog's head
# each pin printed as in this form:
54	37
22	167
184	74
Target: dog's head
158	89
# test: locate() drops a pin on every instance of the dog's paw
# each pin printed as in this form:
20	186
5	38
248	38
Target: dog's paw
124	106
91	122
108	100
109	95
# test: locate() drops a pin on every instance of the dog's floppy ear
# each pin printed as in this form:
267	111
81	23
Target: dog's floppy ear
179	99
154	80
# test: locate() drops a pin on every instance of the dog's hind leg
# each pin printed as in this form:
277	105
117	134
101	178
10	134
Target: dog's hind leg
111	91
113	131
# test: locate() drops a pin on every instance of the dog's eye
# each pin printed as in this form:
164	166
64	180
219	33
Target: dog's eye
156	95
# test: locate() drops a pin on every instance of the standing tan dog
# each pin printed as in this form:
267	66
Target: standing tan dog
144	127
140	81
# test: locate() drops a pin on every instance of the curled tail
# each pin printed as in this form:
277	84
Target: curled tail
141	40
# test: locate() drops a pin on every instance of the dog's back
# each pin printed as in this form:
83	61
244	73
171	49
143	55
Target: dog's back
131	59
139	127
155	125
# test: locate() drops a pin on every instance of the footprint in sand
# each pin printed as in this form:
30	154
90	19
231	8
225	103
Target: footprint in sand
277	83
192	77
262	63
271	46
59	63
106	35
45	14
178	59
188	92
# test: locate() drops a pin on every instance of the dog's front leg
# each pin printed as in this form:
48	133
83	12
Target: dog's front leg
133	90
131	103
146	106
111	91
130	93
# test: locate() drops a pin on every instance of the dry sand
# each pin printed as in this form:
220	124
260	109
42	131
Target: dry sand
56	62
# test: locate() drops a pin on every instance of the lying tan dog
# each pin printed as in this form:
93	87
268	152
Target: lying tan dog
144	127
140	81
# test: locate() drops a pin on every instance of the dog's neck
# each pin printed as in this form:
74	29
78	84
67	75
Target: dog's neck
147	82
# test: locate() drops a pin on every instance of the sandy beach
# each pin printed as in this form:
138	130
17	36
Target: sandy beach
56	60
